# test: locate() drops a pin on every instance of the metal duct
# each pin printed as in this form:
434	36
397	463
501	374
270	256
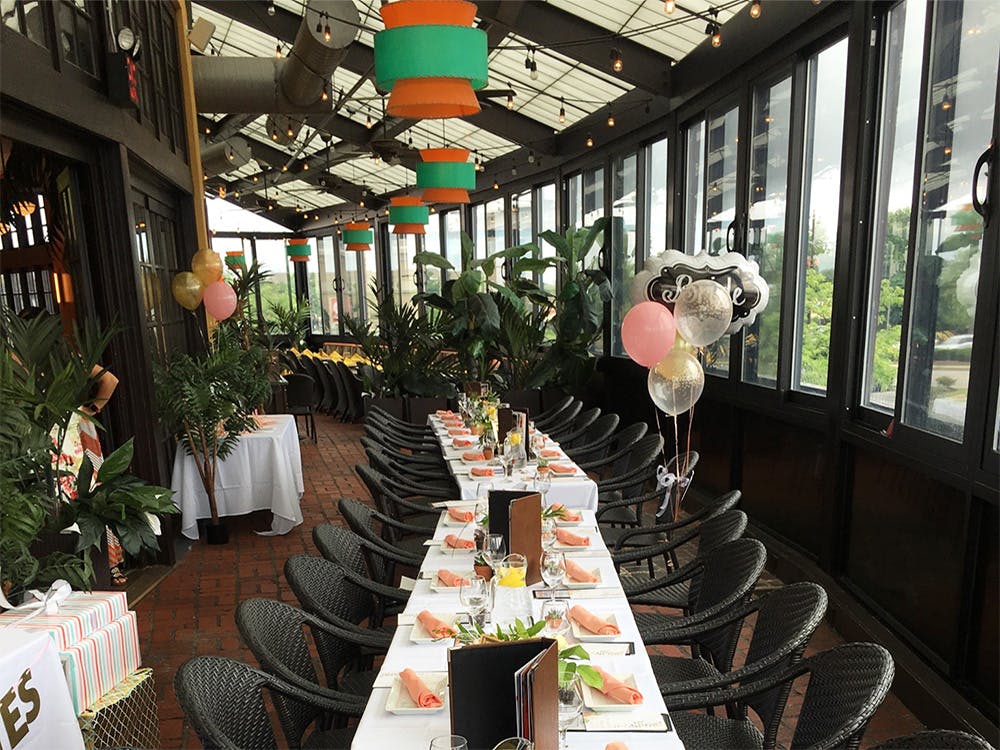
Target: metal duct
219	158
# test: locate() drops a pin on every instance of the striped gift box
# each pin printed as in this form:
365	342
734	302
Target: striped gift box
80	615
101	660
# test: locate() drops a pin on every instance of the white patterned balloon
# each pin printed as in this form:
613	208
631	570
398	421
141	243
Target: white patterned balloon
676	382
703	312
637	287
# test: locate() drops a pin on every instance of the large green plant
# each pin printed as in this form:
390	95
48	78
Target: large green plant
579	305
467	300
208	400
519	342
44	381
405	351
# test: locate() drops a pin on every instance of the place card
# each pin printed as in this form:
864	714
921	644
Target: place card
626	722
604	593
610	648
406	583
455	504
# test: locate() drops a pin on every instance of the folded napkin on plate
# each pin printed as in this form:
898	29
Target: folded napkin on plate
578	573
549	453
565	513
465	516
588	620
418	690
445	413
481	471
572	540
618	690
453	422
463	442
451	579
455	542
616	746
563	468
473	456
456	431
437	628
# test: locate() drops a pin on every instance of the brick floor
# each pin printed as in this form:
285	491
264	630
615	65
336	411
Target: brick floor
192	611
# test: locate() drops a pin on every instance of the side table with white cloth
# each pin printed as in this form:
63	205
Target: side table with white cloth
264	472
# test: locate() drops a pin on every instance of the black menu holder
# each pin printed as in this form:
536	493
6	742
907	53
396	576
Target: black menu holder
505	423
482	698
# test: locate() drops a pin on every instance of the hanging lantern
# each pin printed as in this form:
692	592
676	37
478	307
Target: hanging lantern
235	258
446	175
408	214
359	236
431	58
298	249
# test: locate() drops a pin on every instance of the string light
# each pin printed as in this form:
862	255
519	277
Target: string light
290	132
534	68
510	97
755	9
611	118
277	51
714	29
326	33
325	95
531	156
616	60
270	8
319	23
274	134
284	167
305	166
496	185
255	178
590	141
562	111
368	122
669	6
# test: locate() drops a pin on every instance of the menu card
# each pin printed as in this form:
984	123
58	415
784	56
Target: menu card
518	516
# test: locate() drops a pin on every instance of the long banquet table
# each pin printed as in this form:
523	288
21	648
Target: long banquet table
576	491
380	729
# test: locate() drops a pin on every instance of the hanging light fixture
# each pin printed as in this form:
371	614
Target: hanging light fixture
319	23
590	141
235	258
755	9
445	175
534	69
358	235
298	249
277	51
669	6
714	30
325	96
368	121
326	33
496	185
616	60
270	8
431	58
562	110
611	118
510	96
408	215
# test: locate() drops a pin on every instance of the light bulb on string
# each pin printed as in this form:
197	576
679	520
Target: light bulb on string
325	96
611	119
326	33
277	51
496	185
562	110
290	132
368	122
319	24
669	6
755	9
270	8
616	60
510	97
590	141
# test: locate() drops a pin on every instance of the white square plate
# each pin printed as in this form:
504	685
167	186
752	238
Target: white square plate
446	550
420	635
436	584
399	700
595	700
560	547
582	634
564	522
571	584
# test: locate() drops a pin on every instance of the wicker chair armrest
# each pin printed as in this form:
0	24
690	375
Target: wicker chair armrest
393	554
406	528
729	695
680	575
741	675
625	481
317	695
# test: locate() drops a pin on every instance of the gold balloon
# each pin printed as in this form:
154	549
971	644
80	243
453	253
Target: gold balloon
187	289
676	383
681	345
207	266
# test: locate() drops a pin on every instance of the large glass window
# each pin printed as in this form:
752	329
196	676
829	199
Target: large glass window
324	316
453	238
817	243
622	244
402	248
694	187
546	197
765	241
656	197
432	244
352	283
495	235
279	287
720	180
479	230
521	218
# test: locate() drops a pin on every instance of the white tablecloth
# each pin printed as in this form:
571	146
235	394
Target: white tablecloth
264	472
380	729
37	711
576	492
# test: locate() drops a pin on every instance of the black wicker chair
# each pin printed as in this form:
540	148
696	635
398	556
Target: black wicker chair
404	537
378	415
846	686
618	508
548	415
392	503
570	431
615	457
340	409
299	401
561	420
222	700
377	551
355	405
936	739
332	393
634	480
595	438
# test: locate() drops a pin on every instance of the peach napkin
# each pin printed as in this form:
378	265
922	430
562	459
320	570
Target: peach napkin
572	540
593	623
456	431
549	453
578	573
465	516
618	690
616	746
481	471
562	468
463	442
445	413
455	542
565	513
437	628
418	690
473	456
453	422
451	579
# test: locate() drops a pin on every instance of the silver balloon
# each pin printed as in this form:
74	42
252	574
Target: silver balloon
703	312
637	287
676	382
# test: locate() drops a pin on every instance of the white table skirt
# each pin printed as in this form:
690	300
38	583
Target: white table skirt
264	472
578	493
380	729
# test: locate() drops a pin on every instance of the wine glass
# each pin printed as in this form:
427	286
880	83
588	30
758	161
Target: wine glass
475	597
495	551
555	615
570	707
483	490
449	742
548	533
543	481
553	565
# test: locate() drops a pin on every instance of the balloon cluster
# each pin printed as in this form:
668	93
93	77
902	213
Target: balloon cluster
666	342
203	283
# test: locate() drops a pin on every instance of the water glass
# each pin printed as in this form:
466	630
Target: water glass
483	490
556	617
543	481
570	707
553	565
449	742
475	597
495	551
548	533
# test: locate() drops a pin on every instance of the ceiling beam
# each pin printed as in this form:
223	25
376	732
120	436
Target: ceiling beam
549	26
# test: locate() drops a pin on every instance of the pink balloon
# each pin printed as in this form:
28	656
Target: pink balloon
647	333
220	300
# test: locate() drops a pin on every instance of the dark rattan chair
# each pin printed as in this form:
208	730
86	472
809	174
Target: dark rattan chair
633	480
846	686
936	739
572	430
550	414
299	401
405	537
595	438
222	700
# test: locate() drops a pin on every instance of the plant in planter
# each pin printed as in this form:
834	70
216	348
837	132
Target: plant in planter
208	400
520	344
289	324
45	382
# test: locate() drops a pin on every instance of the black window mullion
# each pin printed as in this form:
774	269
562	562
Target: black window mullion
643	186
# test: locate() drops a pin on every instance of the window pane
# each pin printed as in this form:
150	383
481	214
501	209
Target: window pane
547	217
432	244
479	227
656	197
574	200
694	193
404	272
352	283
495	235
453	238
766	223
622	244
894	194
520	216
824	133
593	209
314	288
323	301
277	289
959	122
369	266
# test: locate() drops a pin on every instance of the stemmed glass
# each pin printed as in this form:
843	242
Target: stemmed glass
475	597
543	481
548	533
553	565
449	742
570	707
495	550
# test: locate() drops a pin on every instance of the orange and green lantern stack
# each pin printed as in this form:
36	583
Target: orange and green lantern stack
445	175
235	258
359	236
408	215
298	249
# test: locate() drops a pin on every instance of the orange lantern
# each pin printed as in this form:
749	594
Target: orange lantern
408	215
359	236
446	175
298	249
